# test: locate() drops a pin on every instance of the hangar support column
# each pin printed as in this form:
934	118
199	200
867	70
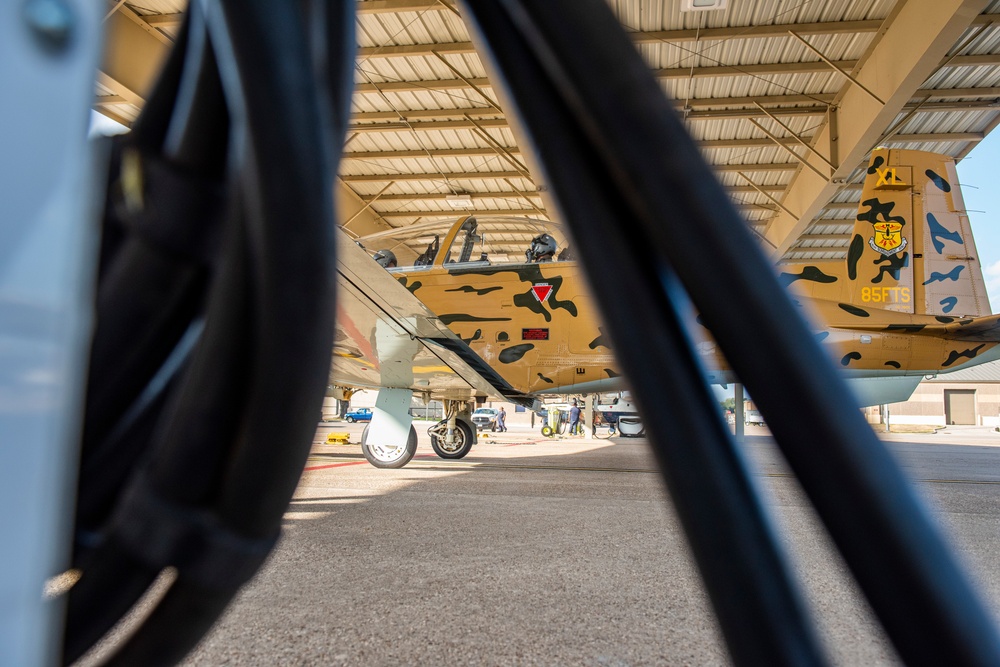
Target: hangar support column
914	41
739	415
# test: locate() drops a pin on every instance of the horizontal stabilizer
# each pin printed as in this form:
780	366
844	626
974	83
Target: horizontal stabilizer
981	329
978	329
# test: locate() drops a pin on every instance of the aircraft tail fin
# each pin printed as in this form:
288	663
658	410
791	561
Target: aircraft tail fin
912	249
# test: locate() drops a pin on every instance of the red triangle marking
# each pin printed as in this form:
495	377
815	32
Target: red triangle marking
542	291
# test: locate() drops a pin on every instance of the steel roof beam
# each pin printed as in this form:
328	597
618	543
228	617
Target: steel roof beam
749	102
510	194
911	48
751	167
499	175
489	151
172	20
814	238
373	120
762	69
989	98
454	213
988	95
427	126
393	6
356	216
653	36
417	86
451	176
164	20
443	196
951	93
669	36
364	7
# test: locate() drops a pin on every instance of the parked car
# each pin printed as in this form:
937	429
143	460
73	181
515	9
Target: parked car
359	415
485	418
753	417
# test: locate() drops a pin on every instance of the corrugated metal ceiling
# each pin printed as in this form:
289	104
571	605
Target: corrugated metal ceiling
427	123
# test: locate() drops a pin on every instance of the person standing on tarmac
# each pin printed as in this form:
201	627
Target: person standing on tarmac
502	420
574	419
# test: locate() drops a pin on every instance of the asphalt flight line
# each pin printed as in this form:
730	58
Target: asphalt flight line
429	461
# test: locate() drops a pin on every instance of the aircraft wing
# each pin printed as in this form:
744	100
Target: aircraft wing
386	337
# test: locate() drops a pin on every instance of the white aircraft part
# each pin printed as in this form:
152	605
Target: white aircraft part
48	54
381	325
391	418
630	424
879	390
595	386
396	350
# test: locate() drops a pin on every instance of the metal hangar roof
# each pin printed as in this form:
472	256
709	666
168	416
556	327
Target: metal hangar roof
785	98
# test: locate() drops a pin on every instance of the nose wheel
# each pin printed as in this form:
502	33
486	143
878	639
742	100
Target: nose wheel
389	456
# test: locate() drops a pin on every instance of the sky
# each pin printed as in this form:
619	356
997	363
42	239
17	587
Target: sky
101	124
979	176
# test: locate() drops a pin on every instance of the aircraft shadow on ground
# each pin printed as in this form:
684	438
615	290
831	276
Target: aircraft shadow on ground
565	558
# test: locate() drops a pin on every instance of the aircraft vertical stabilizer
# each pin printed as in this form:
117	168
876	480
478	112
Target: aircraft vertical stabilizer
912	249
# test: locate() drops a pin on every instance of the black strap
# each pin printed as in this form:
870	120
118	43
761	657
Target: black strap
162	533
176	210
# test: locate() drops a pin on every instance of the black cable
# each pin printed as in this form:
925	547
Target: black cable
237	425
160	241
293	239
197	135
149	294
680	213
100	598
759	610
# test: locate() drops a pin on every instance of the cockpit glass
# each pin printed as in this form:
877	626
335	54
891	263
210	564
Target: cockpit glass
468	242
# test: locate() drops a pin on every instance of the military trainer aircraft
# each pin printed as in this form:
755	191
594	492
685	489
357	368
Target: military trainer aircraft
447	318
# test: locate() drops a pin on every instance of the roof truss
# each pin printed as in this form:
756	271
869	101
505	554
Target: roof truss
427	123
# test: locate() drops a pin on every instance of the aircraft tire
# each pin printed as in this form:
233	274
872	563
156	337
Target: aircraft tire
464	445
389	457
631	427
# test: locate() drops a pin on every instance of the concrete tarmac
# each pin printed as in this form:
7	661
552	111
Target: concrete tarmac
553	552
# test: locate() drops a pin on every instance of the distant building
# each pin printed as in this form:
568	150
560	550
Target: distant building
970	396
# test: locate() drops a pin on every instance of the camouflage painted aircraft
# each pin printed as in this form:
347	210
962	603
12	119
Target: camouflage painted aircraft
908	301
